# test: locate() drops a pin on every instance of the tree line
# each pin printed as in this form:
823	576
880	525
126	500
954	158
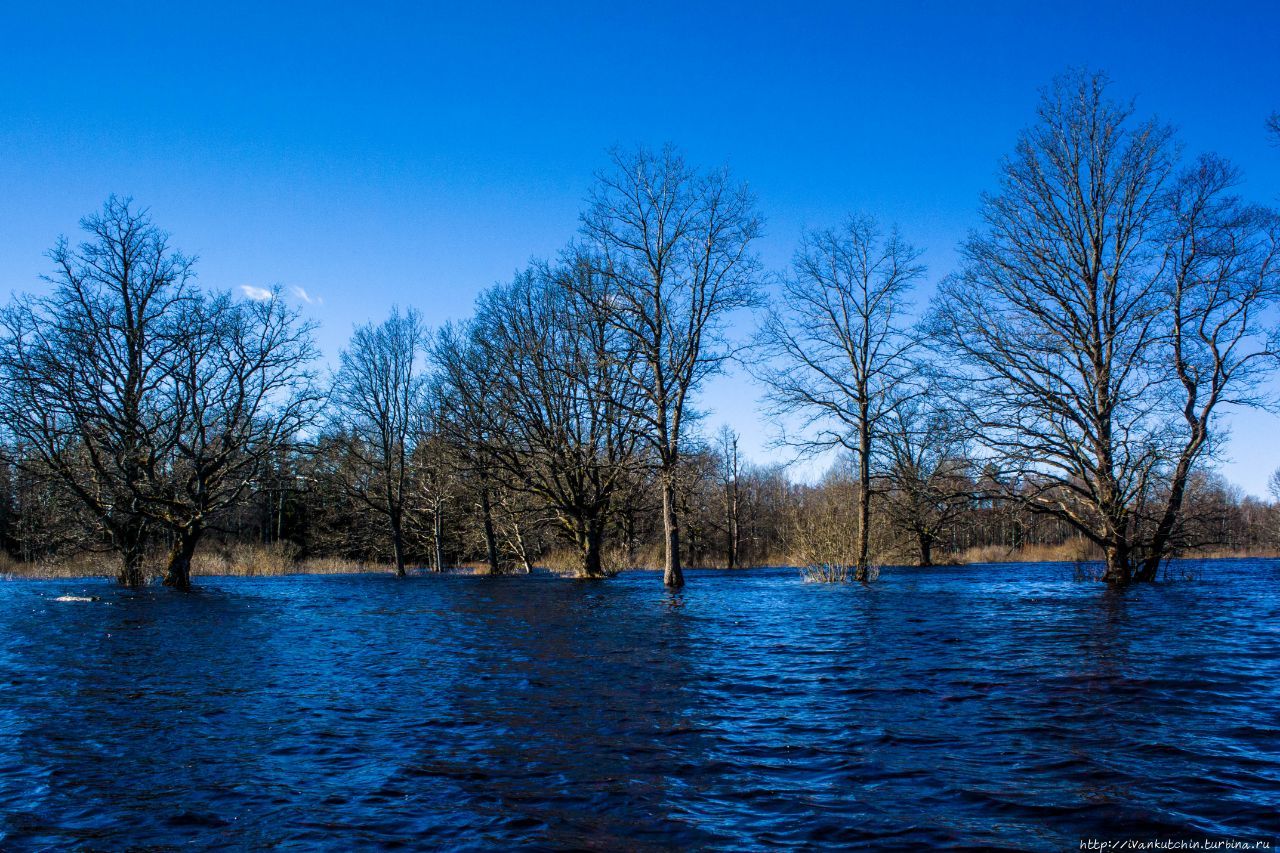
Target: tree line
1063	387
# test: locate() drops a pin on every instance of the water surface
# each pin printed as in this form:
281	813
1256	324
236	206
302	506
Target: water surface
1004	706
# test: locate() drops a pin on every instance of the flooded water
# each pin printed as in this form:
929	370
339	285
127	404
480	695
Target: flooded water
987	706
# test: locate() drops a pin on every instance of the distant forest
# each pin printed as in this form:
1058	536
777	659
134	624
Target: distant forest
1059	398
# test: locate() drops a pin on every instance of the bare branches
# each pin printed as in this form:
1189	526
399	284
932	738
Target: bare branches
839	349
152	403
1108	299
672	254
85	369
379	392
563	414
242	390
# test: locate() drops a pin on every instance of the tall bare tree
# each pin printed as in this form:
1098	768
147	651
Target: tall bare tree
674	251
84	371
466	380
1104	315
379	390
1222	269
566	408
839	347
241	389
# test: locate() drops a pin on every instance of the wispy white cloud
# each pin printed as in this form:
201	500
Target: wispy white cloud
258	294
307	297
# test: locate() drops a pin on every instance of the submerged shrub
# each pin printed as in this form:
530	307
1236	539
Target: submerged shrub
827	572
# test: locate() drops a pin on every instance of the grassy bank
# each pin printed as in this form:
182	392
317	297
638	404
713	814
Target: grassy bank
233	561
273	561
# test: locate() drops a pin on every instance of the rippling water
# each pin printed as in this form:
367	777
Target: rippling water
984	706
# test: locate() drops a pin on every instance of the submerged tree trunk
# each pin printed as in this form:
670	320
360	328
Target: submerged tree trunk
131	568
1119	569
397	546
862	560
1161	538
590	540
673	575
925	541
177	573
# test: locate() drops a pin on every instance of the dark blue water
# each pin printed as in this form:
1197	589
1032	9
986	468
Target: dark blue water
985	706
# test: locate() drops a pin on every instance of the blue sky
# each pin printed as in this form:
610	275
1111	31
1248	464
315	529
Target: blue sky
373	154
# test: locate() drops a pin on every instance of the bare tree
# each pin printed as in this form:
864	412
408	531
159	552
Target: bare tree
465	385
1102	318
927	470
1222	268
435	477
379	393
730	482
674	253
153	404
567	424
840	347
241	389
84	371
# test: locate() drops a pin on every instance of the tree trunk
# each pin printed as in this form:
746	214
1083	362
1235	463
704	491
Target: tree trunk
673	575
629	536
521	551
1159	546
1119	568
437	537
177	573
731	524
926	548
397	546
590	538
1149	570
131	568
864	501
490	538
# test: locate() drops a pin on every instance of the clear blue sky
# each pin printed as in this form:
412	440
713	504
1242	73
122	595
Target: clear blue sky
379	153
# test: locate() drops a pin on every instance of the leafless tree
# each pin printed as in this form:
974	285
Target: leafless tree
674	252
240	390
378	391
526	526
567	424
1104	315
151	403
1222	269
926	469
84	370
822	533
730	485
434	475
465	384
839	346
